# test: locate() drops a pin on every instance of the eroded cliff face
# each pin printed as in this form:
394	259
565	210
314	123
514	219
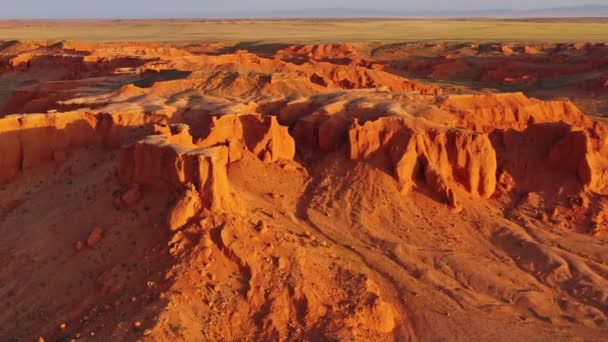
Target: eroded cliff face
30	140
172	162
519	136
487	113
262	135
463	142
439	159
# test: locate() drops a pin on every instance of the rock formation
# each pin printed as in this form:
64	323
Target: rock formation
262	135
309	192
440	159
174	162
30	140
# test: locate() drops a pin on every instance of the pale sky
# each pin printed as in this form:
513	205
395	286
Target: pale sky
28	9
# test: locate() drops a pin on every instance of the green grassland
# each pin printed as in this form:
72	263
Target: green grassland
310	31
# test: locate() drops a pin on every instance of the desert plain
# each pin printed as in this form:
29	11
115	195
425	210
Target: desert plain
304	180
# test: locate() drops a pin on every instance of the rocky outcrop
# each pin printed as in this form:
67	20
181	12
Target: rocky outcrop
226	83
567	67
172	162
30	140
356	77
543	157
36	99
461	142
336	53
486	113
442	160
551	155
594	170
72	64
239	71
262	135
325	132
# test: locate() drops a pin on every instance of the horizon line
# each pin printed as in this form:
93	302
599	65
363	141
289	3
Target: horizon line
414	17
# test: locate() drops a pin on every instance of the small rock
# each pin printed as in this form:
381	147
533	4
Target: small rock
137	324
262	227
133	299
147	332
95	236
92	333
62	326
40	339
79	246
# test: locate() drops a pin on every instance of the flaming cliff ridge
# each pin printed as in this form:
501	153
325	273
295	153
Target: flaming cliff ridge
311	192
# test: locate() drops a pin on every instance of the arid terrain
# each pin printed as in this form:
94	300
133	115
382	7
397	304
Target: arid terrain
311	31
264	191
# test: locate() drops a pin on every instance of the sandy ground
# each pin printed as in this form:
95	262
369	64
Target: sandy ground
307	31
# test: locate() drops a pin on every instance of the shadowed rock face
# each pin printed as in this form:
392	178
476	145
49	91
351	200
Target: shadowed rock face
444	159
31	140
304	193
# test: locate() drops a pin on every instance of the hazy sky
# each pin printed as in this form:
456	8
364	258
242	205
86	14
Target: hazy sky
201	8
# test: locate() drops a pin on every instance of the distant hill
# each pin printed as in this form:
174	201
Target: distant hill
572	11
575	11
